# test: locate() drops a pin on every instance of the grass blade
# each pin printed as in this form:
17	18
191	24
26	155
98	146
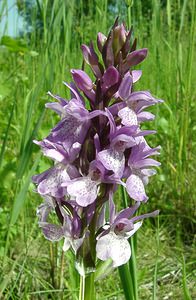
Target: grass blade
156	266
6	134
20	198
187	295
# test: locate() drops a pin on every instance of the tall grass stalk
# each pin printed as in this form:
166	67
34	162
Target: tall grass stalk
186	292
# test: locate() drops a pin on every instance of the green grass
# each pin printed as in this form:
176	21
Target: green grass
29	267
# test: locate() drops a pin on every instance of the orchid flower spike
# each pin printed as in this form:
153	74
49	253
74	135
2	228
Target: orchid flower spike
97	145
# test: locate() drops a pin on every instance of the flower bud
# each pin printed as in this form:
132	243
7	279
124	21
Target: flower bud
101	39
82	80
119	38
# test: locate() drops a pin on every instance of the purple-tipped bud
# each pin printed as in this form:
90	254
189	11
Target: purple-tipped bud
82	80
110	78
107	51
119	38
91	59
101	39
84	83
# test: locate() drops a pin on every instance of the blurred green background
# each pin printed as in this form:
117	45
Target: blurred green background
40	42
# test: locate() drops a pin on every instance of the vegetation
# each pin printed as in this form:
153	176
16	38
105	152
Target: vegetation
39	60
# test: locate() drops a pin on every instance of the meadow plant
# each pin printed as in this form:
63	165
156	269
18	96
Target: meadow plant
98	145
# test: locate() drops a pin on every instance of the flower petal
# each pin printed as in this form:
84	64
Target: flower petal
91	58
145	116
136	75
68	131
113	160
125	87
101	39
115	247
134	58
61	100
51	184
67	243
136	227
128	116
84	189
135	188
51	232
109	78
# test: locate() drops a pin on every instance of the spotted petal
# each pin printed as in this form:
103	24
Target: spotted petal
135	188
68	131
128	116
50	184
51	232
115	247
113	160
84	189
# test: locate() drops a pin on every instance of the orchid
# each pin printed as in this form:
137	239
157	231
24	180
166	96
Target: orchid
96	149
113	241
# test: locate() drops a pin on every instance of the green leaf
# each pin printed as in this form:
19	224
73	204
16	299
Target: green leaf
103	269
14	45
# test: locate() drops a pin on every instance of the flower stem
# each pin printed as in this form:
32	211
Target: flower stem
132	266
52	264
87	287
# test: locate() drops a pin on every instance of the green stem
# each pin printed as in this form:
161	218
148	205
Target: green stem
126	282
61	275
52	264
87	287
131	279
133	265
130	3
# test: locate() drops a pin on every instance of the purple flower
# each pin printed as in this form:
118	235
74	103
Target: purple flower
69	131
101	39
119	38
121	138
69	229
113	243
132	113
50	181
72	129
58	152
139	171
85	189
117	50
